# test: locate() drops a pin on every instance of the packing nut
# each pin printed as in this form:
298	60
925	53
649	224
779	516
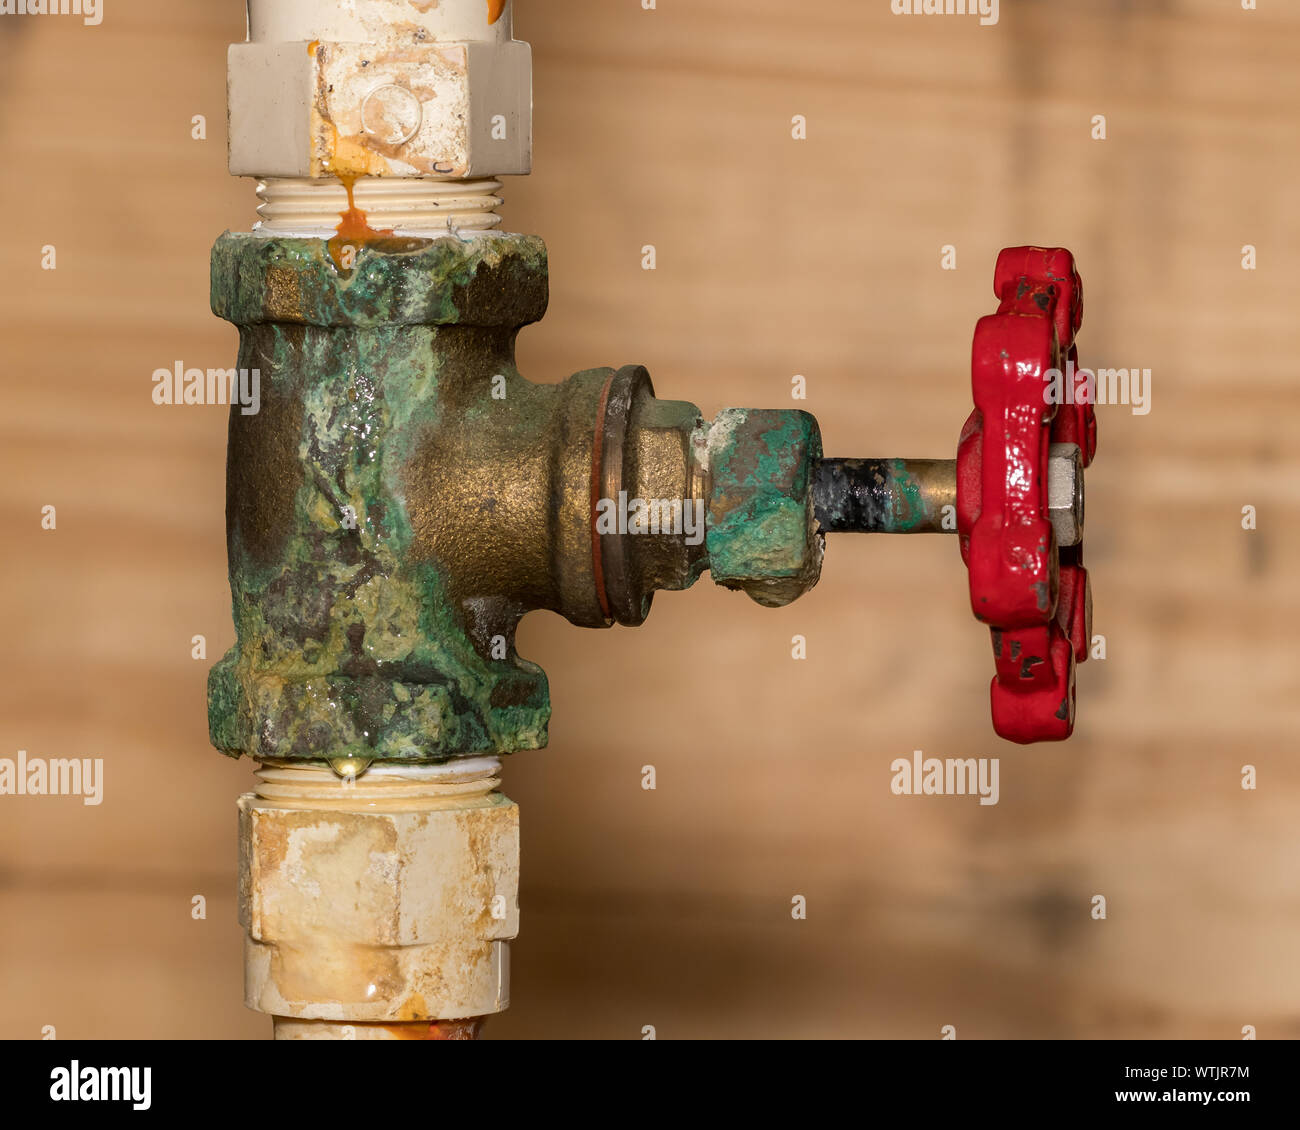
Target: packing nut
763	536
407	108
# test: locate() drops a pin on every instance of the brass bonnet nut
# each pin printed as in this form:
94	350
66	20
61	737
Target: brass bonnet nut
763	536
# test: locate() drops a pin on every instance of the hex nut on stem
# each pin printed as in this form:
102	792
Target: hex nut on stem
1065	493
763	534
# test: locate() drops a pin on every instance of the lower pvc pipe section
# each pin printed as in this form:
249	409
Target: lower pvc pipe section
378	906
289	1029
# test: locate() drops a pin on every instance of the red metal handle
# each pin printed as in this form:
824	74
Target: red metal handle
1033	594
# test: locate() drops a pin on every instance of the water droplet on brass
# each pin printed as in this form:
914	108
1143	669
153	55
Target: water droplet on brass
349	767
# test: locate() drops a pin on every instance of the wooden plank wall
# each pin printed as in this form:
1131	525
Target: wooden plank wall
775	257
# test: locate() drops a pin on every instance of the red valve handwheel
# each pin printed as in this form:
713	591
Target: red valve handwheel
1033	595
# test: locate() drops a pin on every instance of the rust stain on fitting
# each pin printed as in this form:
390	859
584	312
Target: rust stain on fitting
354	227
348	77
439	1030
297	1028
341	156
351	156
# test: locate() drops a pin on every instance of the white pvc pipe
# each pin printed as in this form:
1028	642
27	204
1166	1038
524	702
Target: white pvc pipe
366	21
385	899
421	103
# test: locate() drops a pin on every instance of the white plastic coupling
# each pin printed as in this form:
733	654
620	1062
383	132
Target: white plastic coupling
380	88
382	900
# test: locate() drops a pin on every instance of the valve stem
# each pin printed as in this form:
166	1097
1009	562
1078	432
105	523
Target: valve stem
886	496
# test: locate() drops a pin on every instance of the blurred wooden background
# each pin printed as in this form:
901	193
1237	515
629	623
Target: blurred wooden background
775	257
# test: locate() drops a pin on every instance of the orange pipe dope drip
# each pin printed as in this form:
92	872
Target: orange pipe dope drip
495	8
354	228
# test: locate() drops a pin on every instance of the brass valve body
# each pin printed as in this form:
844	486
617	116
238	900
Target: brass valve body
404	496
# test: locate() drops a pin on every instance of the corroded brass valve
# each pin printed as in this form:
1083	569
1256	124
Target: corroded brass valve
405	496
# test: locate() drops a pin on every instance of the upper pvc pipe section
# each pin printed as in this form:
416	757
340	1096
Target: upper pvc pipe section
461	21
416	89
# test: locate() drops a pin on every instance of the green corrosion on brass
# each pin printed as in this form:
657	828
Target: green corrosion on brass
909	509
354	639
763	536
